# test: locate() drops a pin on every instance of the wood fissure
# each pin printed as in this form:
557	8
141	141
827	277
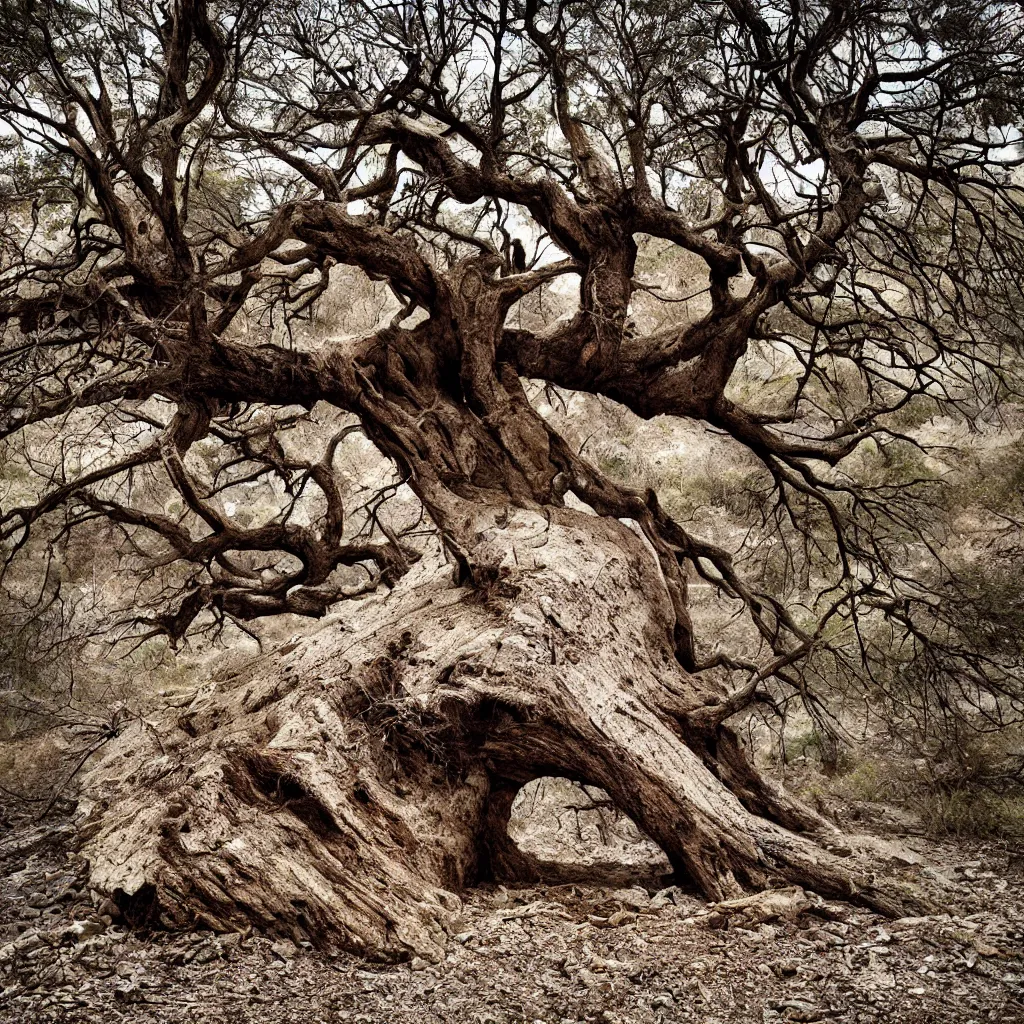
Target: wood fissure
369	794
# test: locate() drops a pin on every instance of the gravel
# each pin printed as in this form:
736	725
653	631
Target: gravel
541	955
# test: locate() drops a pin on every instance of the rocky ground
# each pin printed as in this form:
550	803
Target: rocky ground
544	955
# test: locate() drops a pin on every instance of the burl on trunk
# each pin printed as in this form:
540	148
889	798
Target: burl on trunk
346	788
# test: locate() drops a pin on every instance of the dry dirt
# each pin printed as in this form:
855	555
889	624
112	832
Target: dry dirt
543	955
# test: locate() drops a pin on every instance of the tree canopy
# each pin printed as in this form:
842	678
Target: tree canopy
835	187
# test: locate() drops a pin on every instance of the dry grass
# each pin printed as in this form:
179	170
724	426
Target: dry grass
976	793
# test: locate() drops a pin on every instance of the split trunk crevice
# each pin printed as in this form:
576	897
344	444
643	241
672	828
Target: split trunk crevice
345	789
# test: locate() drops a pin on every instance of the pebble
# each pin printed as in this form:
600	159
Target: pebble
284	948
551	970
81	930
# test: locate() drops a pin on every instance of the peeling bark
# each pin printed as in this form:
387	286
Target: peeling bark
346	788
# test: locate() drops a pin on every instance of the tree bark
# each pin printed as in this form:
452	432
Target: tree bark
345	788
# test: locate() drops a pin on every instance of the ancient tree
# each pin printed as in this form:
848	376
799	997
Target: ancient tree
183	182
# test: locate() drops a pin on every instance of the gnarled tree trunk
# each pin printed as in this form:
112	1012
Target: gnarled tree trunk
347	787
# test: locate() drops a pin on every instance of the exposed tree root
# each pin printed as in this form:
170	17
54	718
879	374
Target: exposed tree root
345	789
